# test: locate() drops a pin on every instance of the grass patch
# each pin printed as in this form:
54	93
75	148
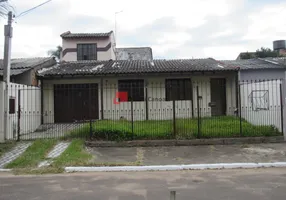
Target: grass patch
74	155
210	127
5	147
33	155
38	171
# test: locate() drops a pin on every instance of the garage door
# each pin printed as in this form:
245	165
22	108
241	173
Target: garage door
75	102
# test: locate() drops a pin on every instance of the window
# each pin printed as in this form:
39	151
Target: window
178	89
86	52
12	106
259	100
134	89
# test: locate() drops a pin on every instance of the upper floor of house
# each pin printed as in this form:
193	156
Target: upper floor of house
87	46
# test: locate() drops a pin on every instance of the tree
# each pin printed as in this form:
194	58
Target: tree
5	7
56	52
265	52
247	55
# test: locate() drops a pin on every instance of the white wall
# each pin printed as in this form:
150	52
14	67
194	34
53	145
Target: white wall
30	105
157	110
271	116
2	87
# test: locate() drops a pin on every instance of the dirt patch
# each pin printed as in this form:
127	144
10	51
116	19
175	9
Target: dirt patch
191	154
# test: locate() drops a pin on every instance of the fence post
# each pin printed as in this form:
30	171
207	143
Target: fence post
42	101
281	107
199	113
132	117
173	195
101	98
19	115
174	118
89	112
146	102
240	107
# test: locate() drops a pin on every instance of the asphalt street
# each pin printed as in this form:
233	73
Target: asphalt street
254	184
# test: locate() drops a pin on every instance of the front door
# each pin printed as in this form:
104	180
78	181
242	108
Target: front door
218	97
75	102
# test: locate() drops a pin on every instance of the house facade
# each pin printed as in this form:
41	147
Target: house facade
154	89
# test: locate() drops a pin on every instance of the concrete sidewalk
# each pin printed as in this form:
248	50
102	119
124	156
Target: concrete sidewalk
192	154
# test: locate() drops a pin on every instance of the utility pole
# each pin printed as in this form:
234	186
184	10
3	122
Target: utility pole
8	32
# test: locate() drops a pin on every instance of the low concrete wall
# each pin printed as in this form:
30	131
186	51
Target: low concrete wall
154	143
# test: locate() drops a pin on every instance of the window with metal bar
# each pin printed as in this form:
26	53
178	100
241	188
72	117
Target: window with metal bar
86	52
178	89
134	89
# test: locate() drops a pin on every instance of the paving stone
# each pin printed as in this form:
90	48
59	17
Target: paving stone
45	163
58	149
13	154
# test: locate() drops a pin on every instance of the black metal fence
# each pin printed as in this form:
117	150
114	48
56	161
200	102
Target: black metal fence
133	110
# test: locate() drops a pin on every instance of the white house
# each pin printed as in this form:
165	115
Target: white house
151	87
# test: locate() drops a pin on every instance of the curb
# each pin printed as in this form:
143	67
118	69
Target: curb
176	167
5	170
193	142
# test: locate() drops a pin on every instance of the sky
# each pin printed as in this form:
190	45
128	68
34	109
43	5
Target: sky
178	29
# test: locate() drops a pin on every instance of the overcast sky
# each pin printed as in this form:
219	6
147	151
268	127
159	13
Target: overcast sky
174	29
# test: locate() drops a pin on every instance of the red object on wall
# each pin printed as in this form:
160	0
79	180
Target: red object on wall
120	97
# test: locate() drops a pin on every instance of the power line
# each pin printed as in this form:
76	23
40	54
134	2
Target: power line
27	11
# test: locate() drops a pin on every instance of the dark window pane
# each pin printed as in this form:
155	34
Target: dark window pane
134	89
12	106
86	52
178	89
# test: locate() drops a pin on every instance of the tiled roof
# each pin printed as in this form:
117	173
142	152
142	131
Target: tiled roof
254	63
279	60
20	65
135	67
134	53
68	34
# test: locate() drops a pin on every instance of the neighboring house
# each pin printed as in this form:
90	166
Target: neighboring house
99	46
23	70
262	87
87	46
134	53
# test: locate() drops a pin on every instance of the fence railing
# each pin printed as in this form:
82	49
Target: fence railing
135	110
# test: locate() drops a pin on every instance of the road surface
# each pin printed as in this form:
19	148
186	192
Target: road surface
254	184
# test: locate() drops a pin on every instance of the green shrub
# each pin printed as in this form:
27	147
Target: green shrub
210	127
